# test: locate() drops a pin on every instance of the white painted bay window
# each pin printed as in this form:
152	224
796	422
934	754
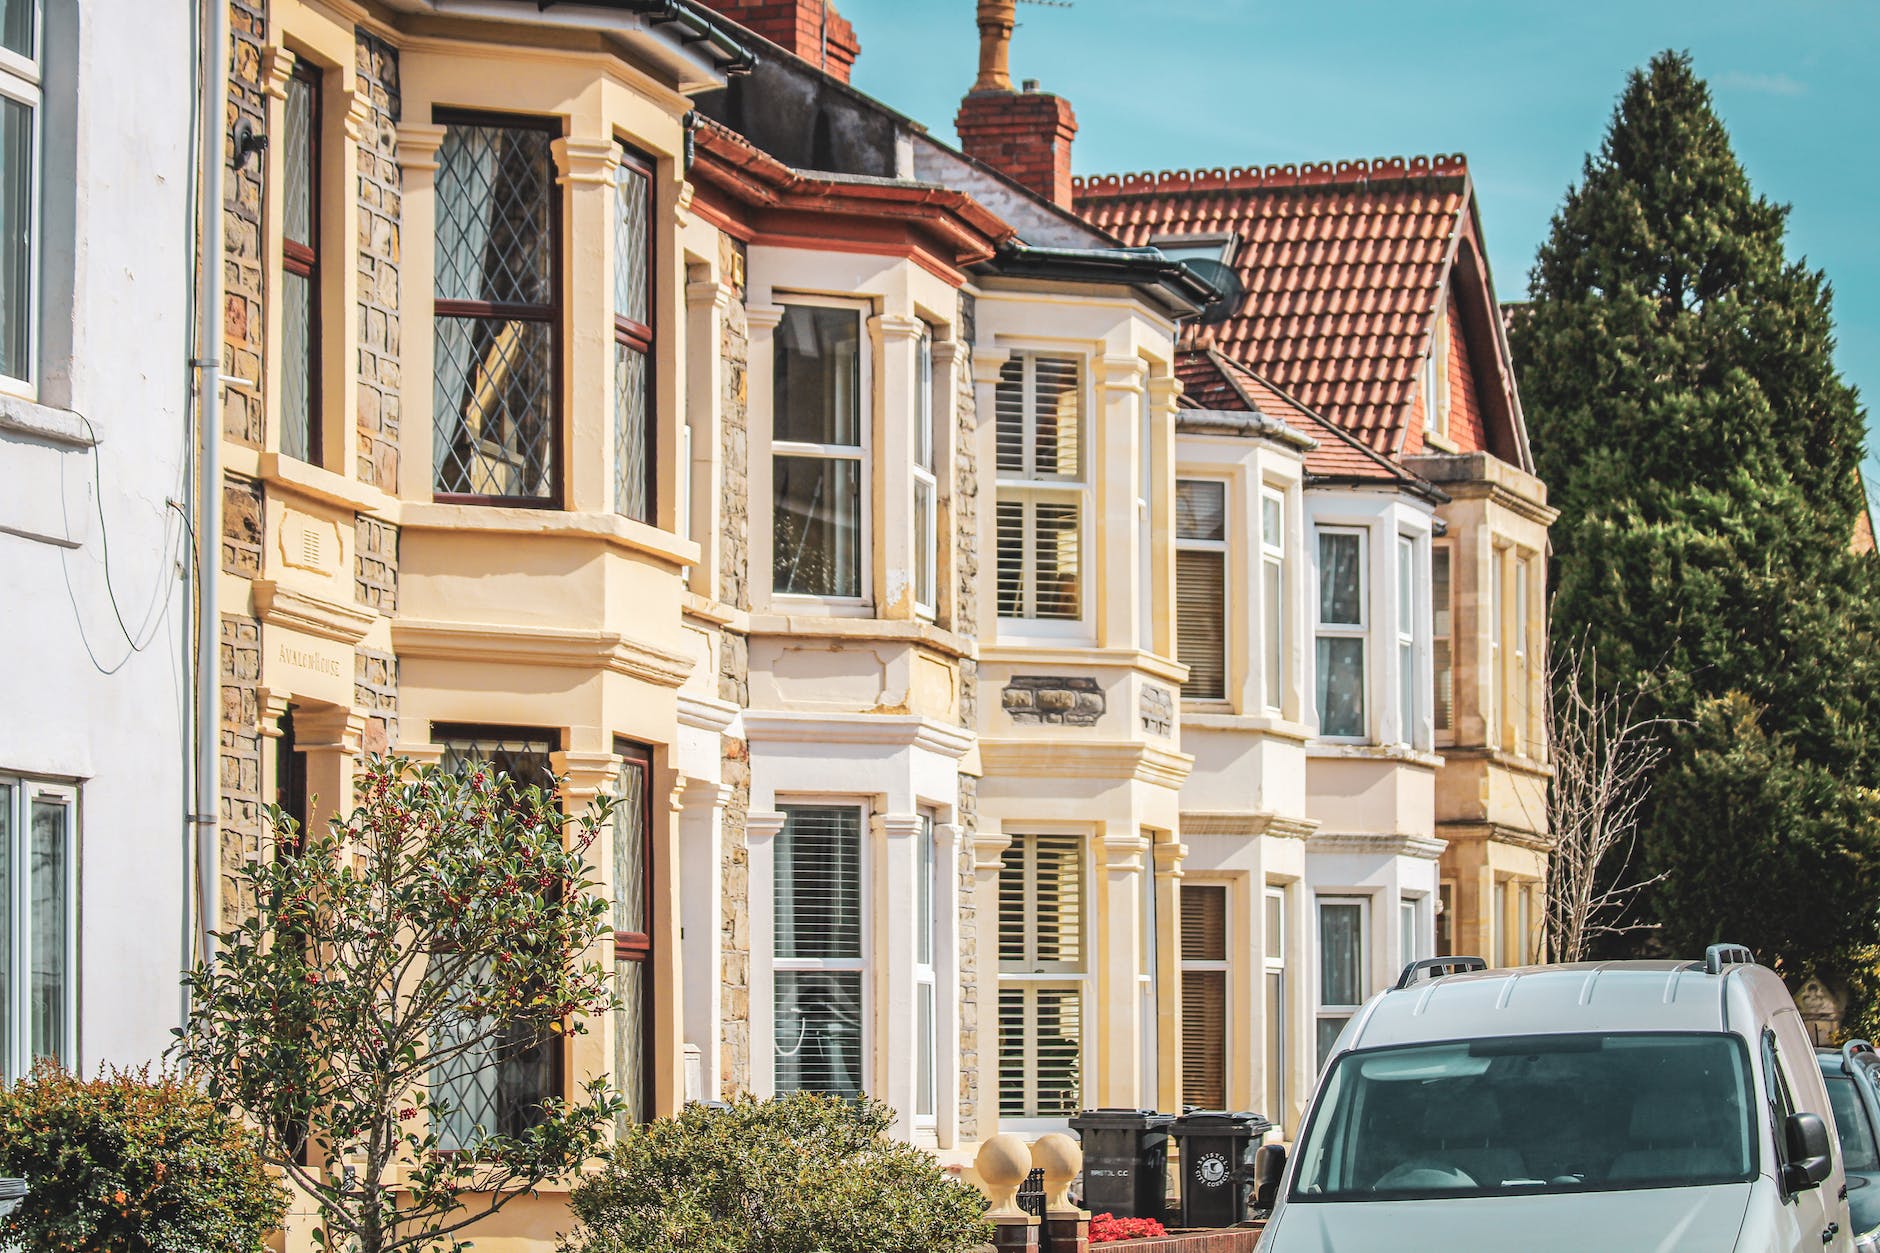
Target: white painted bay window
1343	974
20	82
1276	1016
1343	595
819	446
818	951
1273	598
1407	710
1204	995
1041	488
38	896
926	484
1042	962
1201	586
926	1011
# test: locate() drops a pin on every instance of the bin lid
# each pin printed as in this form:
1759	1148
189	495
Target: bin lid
1219	1121
1120	1120
12	1189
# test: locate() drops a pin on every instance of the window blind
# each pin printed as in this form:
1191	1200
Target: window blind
1040	1051
1200	626
1204	995
818	909
1039	455
1041	955
1041	901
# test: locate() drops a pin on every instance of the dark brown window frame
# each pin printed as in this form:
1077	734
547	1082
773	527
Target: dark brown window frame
557	1046
303	260
551	314
637	946
640	336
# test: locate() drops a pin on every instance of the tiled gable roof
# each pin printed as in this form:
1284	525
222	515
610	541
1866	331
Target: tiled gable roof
1214	382
1342	264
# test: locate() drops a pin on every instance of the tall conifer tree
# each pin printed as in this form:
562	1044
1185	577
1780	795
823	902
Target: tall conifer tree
1676	369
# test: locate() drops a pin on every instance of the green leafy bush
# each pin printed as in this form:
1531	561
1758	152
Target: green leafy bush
129	1164
799	1174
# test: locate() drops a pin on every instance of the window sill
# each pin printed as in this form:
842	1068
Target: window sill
845	628
45	423
1215	716
1355	750
321	484
609	528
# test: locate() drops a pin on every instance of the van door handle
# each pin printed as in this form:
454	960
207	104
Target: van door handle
1833	1230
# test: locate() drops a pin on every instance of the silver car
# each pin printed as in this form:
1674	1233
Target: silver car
1615	1106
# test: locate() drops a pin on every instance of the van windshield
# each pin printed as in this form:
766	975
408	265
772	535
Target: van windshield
1522	1114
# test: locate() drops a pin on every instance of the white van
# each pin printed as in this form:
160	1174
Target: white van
1615	1106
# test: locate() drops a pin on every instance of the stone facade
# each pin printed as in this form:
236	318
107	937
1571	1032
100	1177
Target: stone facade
380	208
241	528
245	290
375	565
964	507
375	690
242	801
734	671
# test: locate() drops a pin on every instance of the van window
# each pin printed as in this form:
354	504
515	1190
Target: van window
1857	1146
1779	1095
1528	1114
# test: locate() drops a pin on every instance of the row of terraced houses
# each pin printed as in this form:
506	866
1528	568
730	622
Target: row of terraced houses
1060	642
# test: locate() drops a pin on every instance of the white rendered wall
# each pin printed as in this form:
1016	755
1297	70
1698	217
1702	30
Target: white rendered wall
116	271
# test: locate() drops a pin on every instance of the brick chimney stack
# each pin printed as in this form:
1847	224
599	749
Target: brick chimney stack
1025	135
812	29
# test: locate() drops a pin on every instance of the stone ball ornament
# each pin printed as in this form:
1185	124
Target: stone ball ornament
1060	1157
1002	1164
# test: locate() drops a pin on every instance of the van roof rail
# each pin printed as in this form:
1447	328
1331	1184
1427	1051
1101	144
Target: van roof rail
1441	965
1717	956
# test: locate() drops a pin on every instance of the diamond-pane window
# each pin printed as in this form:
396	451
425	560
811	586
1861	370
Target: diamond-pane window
494	407
633	940
497	1085
634	464
300	265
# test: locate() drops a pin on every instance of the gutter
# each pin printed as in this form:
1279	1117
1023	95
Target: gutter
1247	424
727	51
1180	288
1409	486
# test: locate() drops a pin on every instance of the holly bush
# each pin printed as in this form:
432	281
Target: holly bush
803	1173
129	1164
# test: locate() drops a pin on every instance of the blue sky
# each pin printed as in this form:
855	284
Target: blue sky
1524	89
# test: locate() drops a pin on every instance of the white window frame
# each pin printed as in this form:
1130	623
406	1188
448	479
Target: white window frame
926	979
926	480
23	79
1341	1013
1207	965
834	965
1274	963
1522	689
1497	632
1273	576
1498	923
1077	975
24	790
1030	489
1436	399
861	453
1360	631
1408	706
1219	546
1445	552
1409	929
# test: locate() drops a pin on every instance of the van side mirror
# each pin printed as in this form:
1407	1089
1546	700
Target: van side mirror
1806	1137
1269	1167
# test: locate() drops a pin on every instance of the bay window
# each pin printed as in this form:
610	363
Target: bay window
38	897
635	467
1441	632
926	485
1343	966
1273	598
1276	1009
1040	502
817	958
1201	587
1341	634
1406	640
633	938
1204	995
20	82
926	1012
499	1087
496	320
818	445
300	266
1041	977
